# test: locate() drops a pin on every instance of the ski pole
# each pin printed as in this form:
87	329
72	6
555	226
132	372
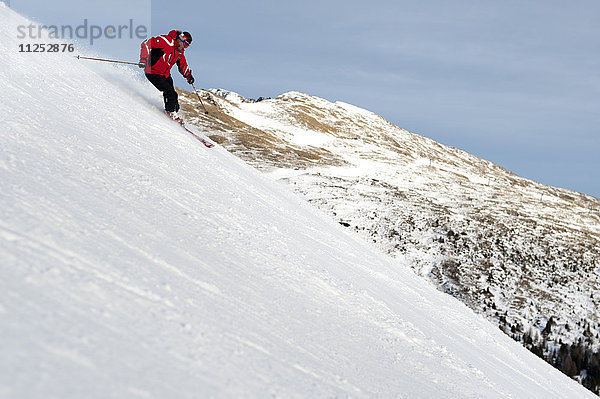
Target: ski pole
201	103
102	59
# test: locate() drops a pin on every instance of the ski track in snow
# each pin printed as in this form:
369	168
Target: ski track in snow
138	263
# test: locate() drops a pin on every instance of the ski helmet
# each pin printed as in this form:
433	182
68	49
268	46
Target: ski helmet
186	38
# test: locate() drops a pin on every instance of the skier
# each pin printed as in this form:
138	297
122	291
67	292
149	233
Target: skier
157	57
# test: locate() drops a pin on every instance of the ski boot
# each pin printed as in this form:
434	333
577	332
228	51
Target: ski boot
173	115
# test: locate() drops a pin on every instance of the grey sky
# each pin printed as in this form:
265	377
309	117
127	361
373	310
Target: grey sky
515	82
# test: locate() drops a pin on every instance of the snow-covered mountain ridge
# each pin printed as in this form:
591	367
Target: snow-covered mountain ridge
524	254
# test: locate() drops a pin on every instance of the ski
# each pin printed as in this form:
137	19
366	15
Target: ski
197	137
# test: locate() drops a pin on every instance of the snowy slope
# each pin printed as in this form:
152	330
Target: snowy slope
137	263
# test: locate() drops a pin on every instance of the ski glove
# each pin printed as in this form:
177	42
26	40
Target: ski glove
142	64
190	79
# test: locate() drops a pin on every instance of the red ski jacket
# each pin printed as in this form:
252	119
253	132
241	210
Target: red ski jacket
161	53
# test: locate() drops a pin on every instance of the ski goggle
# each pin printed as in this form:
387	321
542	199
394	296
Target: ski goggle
184	40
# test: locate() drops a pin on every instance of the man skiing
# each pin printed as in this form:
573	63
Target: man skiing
157	57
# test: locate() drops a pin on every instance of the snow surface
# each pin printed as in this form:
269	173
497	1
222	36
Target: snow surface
137	263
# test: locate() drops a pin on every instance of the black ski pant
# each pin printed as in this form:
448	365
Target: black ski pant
166	86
